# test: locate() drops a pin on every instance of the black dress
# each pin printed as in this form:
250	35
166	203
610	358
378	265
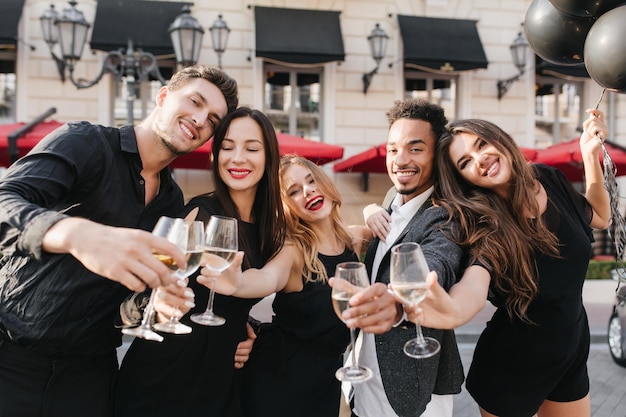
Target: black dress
191	375
291	371
517	365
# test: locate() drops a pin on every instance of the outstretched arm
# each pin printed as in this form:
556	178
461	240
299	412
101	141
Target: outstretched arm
254	283
119	254
449	310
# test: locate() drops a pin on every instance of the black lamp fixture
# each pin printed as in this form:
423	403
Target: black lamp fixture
519	52
70	28
378	46
219	33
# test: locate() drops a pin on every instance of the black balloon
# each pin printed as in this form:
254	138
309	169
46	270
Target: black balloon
586	8
605	50
555	36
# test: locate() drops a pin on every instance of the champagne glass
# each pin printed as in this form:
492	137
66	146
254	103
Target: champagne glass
350	278
408	281
192	244
171	229
220	248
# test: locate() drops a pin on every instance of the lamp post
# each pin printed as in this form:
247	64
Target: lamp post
219	33
519	53
378	46
70	28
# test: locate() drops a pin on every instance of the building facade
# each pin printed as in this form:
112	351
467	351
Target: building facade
304	62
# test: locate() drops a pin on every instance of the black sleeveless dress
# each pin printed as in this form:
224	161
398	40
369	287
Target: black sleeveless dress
191	375
517	365
291	371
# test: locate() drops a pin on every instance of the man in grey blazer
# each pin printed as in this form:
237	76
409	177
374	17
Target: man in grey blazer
403	386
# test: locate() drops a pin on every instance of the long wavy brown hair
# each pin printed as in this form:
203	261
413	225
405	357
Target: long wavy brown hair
299	231
497	231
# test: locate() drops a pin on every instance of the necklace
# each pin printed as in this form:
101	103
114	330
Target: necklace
333	250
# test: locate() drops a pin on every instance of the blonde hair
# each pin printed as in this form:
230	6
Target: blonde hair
301	233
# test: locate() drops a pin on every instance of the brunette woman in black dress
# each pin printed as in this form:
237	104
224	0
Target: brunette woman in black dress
529	234
193	375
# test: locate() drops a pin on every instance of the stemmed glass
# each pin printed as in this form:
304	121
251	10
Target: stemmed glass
192	244
408	281
350	278
220	248
171	229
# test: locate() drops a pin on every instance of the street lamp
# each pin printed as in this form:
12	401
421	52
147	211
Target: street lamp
378	46
70	28
219	33
519	53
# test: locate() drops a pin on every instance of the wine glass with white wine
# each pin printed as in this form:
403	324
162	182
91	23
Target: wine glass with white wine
173	230
350	278
220	248
192	244
409	270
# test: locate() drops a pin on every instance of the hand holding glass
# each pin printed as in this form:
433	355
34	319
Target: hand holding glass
192	244
220	248
408	281
171	229
350	278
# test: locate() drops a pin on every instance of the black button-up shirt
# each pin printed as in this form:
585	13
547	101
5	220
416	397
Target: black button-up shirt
50	302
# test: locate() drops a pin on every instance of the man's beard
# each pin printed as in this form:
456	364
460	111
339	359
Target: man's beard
172	148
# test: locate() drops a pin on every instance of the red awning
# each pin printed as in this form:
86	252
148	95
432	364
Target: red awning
373	160
318	152
26	142
529	153
566	156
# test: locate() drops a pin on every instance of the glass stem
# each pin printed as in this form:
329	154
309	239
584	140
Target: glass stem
209	307
149	311
352	346
420	336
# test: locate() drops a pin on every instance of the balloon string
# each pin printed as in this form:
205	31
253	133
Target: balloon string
617	228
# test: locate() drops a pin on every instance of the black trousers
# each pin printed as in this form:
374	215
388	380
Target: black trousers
37	385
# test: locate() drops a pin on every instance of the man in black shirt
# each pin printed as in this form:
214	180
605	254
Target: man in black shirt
75	216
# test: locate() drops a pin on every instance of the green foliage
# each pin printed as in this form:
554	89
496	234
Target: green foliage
601	269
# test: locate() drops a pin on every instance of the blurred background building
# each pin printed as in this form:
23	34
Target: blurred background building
326	71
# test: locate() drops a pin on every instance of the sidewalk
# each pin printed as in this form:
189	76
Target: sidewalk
598	297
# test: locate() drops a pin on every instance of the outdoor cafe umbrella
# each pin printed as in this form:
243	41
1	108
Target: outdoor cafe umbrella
566	156
26	142
318	152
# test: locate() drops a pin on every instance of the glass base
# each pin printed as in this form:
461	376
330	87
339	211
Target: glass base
144	332
420	350
208	319
354	374
173	327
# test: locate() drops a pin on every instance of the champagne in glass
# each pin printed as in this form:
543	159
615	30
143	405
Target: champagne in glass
408	281
192	242
350	278
220	248
171	229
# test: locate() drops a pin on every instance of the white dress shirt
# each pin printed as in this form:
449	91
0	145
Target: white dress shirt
370	399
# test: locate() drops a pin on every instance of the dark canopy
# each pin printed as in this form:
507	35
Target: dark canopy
298	36
441	44
9	19
145	22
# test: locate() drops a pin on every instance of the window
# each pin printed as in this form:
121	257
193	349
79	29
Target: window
293	99
436	88
7	87
558	114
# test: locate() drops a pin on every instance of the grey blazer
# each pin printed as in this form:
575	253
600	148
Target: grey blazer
410	382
